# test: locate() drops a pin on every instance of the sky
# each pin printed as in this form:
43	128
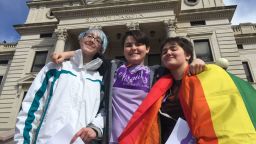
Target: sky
13	12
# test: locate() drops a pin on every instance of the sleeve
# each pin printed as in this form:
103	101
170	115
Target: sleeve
77	56
29	117
98	123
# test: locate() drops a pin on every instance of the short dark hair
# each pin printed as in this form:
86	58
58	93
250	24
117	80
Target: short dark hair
139	36
184	43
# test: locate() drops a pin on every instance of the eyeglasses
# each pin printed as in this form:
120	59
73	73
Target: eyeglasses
91	37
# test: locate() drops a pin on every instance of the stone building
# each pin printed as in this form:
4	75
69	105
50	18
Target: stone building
245	36
53	25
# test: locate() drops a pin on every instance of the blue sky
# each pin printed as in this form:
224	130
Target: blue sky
245	12
14	12
11	12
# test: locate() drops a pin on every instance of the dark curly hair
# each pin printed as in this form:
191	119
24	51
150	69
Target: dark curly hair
183	43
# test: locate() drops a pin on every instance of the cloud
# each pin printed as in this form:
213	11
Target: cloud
14	12
11	12
245	11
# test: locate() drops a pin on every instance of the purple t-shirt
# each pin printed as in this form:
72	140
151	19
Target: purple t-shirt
131	85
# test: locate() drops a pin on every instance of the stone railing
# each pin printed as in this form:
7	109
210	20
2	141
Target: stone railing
7	47
244	28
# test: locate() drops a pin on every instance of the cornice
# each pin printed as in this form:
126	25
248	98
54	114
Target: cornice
193	34
28	79
244	28
115	8
51	2
7	48
207	13
246	38
36	28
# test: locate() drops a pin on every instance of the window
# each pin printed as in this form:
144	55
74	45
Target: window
39	61
191	2
196	23
1	78
247	71
4	62
240	46
154	59
203	50
45	35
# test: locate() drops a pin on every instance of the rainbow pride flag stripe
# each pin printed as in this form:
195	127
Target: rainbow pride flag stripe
219	107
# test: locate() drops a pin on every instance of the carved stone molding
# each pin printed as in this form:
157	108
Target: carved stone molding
203	14
170	23
49	15
35	28
47	3
116	8
62	34
191	3
245	38
26	80
114	17
95	27
171	27
133	26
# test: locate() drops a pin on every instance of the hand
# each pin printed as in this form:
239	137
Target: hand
197	66
86	134
58	58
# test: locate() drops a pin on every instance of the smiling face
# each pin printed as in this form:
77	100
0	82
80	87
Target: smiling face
134	52
91	44
174	56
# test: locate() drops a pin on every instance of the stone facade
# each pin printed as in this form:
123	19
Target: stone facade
245	35
53	25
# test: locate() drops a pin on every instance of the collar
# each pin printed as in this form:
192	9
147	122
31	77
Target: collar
92	65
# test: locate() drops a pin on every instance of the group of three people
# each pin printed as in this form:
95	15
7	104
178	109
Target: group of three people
72	91
98	97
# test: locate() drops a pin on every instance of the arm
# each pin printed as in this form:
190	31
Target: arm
197	66
93	131
98	123
29	117
60	57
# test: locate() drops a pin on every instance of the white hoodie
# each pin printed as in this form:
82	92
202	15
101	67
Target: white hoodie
61	94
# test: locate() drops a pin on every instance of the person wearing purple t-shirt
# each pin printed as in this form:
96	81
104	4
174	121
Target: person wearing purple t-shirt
131	82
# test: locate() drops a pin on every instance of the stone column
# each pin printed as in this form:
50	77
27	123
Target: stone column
170	27
62	35
133	26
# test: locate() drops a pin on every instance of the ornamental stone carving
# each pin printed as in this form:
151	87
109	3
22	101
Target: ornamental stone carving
61	34
49	15
191	2
133	26
171	27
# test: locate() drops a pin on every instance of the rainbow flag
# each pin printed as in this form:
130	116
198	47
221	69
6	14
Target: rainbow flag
143	128
219	107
